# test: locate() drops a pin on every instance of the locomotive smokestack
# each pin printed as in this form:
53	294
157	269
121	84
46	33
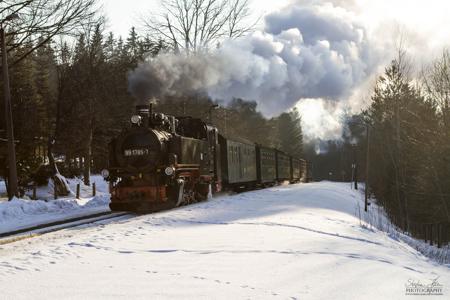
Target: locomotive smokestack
145	111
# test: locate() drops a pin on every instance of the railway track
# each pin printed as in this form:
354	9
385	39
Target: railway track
29	232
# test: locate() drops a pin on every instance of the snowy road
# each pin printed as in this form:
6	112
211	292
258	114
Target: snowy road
300	241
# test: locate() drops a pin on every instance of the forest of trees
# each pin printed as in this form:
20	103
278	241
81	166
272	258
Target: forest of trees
70	97
409	157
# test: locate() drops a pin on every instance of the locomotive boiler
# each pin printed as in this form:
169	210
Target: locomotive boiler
161	162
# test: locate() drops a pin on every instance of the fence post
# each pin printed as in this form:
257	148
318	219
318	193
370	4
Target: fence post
439	237
445	233
93	189
431	234
424	230
78	191
34	192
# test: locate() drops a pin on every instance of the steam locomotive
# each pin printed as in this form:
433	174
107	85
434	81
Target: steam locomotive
163	161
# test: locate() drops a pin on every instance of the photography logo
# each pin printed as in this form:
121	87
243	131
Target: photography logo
418	288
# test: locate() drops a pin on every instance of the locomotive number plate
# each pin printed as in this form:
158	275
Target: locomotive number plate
136	152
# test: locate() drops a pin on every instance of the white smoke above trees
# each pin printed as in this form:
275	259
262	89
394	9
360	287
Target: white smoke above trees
314	51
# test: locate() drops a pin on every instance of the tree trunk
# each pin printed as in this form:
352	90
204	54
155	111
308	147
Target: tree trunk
87	157
87	166
51	157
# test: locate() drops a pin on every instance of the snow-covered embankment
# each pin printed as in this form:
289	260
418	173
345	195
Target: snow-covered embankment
24	213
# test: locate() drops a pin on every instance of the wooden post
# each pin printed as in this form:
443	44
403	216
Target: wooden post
355	161
431	234
445	234
93	189
78	191
439	237
366	189
424	229
34	192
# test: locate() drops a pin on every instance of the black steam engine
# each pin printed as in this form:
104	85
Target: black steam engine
162	162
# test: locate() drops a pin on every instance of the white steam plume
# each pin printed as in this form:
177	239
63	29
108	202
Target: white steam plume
315	51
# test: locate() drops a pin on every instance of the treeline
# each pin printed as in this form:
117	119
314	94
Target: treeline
241	118
69	100
409	144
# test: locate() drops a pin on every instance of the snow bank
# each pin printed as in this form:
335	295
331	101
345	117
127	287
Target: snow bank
47	192
23	213
21	208
376	217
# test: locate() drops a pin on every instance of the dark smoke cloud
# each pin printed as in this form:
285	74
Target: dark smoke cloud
144	83
307	50
170	74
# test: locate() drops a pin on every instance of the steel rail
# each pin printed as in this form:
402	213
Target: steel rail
24	233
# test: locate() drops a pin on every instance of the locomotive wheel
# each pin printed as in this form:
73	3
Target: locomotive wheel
202	191
189	197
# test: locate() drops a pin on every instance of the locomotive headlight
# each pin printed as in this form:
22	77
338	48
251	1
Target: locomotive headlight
169	171
136	119
105	173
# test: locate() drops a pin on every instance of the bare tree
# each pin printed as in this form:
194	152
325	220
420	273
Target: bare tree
436	80
193	25
41	20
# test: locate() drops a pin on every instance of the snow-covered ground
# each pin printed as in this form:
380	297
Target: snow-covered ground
291	242
377	218
23	213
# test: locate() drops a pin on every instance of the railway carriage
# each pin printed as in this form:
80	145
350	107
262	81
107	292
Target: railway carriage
283	166
238	160
296	170
304	171
266	165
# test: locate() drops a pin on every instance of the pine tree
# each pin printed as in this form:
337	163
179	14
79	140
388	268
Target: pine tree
290	133
405	133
